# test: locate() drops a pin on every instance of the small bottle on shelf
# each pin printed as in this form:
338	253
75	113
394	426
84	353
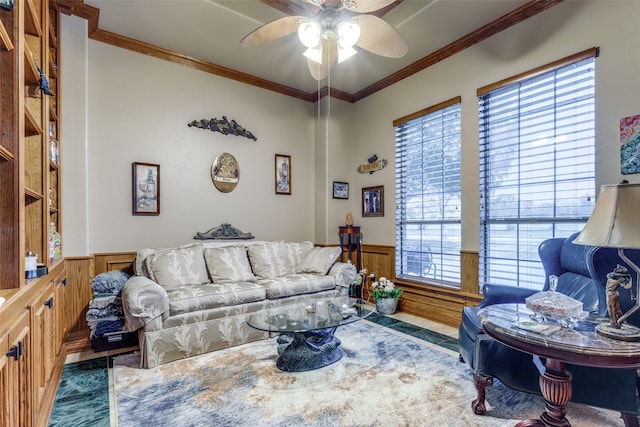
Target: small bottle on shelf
55	244
53	145
52	243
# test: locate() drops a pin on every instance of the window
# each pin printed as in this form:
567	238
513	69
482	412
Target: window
537	178
428	194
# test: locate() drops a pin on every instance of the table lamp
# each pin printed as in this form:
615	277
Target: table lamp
615	223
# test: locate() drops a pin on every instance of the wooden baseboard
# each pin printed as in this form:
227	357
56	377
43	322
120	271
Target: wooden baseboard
78	343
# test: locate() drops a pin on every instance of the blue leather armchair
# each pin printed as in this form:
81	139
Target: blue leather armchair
581	272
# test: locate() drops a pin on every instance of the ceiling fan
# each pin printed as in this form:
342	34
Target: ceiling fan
331	28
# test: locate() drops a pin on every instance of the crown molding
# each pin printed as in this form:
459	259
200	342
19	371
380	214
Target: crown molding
92	15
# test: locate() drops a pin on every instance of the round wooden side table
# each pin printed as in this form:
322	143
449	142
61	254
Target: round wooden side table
579	347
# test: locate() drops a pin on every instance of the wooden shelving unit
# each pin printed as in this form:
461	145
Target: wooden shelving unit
29	164
33	328
5	38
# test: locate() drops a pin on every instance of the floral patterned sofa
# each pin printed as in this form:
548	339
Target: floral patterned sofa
194	299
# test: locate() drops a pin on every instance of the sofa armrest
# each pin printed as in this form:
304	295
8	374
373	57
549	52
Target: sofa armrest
344	273
143	301
502	294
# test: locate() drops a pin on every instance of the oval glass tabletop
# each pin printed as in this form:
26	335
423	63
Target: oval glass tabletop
312	314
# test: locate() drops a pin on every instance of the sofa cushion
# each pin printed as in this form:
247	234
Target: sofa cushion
212	295
296	284
270	260
179	267
228	264
296	252
319	260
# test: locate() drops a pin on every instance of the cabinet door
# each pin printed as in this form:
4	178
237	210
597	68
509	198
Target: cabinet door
15	375
42	335
5	391
60	289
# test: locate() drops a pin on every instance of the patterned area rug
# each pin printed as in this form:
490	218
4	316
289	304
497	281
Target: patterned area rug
384	379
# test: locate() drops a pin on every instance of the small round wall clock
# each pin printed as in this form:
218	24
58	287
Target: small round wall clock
225	172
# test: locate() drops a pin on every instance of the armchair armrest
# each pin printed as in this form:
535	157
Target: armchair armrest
143	301
502	294
344	273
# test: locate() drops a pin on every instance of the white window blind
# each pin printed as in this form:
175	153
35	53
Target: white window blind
537	178
428	194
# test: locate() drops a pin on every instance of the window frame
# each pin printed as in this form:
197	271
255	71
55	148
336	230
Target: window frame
440	263
559	223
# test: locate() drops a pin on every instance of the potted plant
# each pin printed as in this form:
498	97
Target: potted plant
385	294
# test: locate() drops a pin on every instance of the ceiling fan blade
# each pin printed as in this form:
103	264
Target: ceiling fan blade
272	30
366	6
308	8
329	58
378	37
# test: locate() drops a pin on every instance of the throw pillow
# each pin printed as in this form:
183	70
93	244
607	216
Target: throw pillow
228	264
296	251
269	260
176	268
141	263
319	260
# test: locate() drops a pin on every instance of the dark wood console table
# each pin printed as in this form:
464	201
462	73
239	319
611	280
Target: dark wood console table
350	243
583	347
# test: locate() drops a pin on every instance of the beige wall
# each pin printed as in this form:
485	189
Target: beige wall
137	108
559	32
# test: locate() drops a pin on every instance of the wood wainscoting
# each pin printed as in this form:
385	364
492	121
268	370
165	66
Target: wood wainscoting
80	273
430	300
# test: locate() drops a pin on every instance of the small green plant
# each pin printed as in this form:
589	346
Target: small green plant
383	288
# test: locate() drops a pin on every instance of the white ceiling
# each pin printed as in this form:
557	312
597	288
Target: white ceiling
211	30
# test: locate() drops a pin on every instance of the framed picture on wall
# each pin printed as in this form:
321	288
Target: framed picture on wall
373	201
146	188
283	174
340	190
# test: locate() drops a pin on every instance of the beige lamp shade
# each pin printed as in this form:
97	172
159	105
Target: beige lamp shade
615	221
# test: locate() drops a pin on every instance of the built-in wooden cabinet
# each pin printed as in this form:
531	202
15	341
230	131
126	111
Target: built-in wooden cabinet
33	323
32	349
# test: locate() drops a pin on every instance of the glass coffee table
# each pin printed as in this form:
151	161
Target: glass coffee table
307	338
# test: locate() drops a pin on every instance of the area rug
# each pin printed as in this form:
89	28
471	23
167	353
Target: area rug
385	378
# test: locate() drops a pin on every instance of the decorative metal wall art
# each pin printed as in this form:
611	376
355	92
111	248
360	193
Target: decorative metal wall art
224	232
225	172
373	165
224	126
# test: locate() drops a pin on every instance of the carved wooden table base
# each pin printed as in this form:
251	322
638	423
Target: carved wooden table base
555	385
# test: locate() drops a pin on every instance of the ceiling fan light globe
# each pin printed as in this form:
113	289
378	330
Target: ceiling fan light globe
345	53
309	33
348	34
314	54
